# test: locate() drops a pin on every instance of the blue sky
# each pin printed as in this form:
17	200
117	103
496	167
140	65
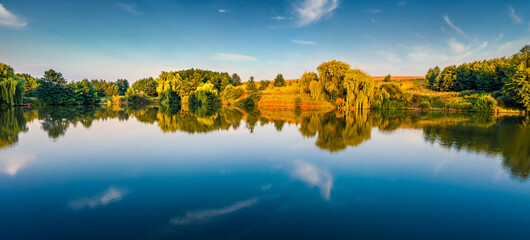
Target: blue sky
136	39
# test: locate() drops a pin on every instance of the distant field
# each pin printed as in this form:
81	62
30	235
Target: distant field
397	78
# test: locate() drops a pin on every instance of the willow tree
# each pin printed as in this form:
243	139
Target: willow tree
305	80
359	89
332	75
518	87
168	87
8	86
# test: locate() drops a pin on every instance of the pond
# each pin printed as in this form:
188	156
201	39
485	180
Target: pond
118	172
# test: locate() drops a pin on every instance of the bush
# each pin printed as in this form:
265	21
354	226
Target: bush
458	104
298	101
485	104
425	105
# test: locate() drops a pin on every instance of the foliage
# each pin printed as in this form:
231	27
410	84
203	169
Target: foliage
332	75
54	77
264	85
359	89
123	85
387	78
485	104
11	87
425	105
518	87
230	94
279	81
316	90
305	80
205	100
137	97
147	86
30	83
236	80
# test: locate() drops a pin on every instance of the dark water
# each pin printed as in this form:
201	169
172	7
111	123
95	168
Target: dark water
154	173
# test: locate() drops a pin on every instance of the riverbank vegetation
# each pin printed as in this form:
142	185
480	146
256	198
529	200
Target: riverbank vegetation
497	85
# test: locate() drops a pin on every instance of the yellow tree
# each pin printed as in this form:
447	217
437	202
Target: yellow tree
360	89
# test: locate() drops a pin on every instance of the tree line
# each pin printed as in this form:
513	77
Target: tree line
505	78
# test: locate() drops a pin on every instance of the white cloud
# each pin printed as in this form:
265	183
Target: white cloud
311	11
514	17
302	42
109	196
315	177
280	18
130	8
13	164
390	56
9	19
456	46
206	215
234	57
375	11
222	10
401	3
448	21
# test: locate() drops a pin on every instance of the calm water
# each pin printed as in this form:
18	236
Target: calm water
153	173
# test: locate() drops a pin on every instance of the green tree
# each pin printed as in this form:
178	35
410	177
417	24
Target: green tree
431	76
54	77
305	80
123	85
147	86
387	78
332	75
360	89
279	81
236	80
518	87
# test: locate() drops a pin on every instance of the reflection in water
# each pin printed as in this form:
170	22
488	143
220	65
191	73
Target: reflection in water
314	177
206	215
12	122
508	136
109	196
12	164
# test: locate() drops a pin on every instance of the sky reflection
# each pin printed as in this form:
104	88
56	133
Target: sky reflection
109	196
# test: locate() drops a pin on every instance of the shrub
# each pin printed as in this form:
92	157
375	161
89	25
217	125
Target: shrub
458	104
425	105
298	101
485	104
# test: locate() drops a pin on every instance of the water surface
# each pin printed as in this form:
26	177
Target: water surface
154	173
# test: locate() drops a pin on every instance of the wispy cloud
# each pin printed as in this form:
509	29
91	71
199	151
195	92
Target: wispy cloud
302	42
417	35
109	196
401	3
456	46
311	11
390	56
448	21
515	18
375	11
9	19
206	215
280	18
128	7
233	57
222	10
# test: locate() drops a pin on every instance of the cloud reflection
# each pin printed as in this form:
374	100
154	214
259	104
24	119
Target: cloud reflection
205	215
11	165
109	196
315	177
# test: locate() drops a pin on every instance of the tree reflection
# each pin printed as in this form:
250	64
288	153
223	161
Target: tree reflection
508	136
12	122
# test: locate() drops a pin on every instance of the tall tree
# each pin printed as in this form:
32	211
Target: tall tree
236	80
123	85
54	77
279	81
331	75
305	80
